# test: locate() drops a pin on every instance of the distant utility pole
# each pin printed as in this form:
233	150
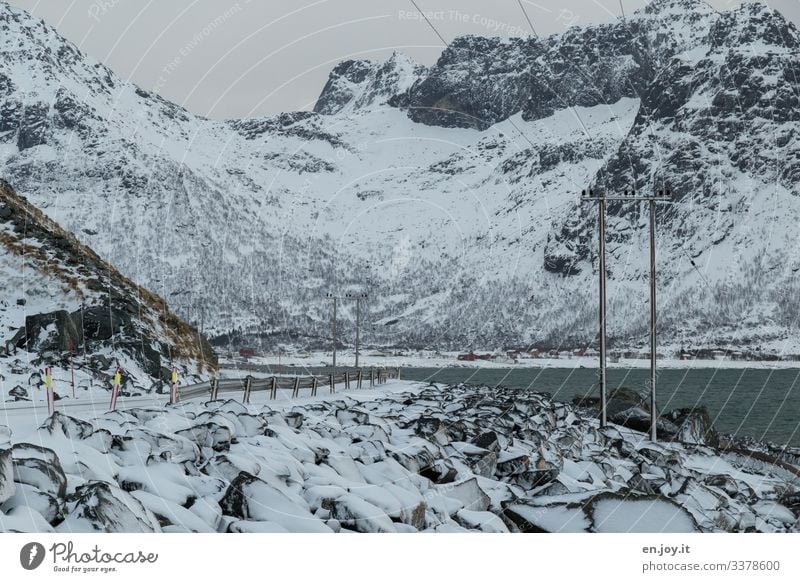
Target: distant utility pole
333	325
358	297
630	196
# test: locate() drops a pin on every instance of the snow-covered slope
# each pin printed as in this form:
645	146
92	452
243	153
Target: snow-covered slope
450	194
59	298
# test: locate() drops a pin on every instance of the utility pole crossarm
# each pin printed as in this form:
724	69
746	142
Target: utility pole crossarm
627	196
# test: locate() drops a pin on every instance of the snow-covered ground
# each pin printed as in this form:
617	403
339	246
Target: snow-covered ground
404	457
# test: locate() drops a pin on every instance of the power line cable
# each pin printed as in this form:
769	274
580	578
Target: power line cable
429	23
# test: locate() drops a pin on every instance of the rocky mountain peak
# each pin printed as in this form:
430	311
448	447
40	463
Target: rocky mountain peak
753	26
357	84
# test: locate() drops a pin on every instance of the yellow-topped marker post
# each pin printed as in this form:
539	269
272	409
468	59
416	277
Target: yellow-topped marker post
117	383
174	397
48	386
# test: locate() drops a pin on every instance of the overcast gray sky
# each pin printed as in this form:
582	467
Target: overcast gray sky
238	58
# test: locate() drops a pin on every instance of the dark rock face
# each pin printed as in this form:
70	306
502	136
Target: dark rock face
476	82
729	97
65	332
33	126
693	425
479	81
359	83
338	91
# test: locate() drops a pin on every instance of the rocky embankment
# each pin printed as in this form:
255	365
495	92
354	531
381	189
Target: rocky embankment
431	458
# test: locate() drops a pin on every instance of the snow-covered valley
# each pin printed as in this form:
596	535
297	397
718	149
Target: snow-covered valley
449	193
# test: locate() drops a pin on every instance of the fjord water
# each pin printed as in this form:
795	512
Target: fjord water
760	403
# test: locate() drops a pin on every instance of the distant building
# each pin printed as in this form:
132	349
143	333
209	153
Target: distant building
471	357
247	352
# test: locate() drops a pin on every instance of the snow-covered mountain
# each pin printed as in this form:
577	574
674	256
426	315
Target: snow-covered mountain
59	298
449	193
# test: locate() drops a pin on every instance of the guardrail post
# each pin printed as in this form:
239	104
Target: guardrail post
333	387
248	383
296	391
372	378
360	375
274	389
314	386
214	388
346	380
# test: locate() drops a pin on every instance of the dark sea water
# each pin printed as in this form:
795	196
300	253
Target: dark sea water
755	402
763	404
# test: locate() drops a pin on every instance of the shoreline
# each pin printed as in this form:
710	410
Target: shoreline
321	359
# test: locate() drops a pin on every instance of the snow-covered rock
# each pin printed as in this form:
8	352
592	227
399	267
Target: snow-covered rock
554	470
100	507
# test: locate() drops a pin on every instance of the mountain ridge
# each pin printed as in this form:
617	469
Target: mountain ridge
450	196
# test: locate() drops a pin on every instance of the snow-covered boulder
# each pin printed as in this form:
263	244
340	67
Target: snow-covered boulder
7	485
614	514
250	498
100	507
